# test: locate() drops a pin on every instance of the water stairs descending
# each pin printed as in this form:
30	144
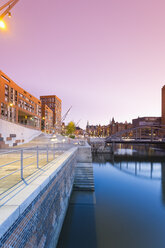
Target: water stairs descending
84	178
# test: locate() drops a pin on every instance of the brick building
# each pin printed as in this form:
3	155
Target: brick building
47	119
17	105
54	103
163	105
107	130
146	121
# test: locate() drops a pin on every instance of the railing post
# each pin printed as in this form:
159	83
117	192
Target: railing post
22	164
54	151
47	153
151	134
37	158
112	148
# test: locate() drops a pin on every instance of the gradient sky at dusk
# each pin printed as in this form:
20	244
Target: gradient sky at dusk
104	57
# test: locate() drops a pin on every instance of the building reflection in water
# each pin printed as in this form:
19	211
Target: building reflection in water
163	182
153	170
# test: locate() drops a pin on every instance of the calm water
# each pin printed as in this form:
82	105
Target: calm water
127	209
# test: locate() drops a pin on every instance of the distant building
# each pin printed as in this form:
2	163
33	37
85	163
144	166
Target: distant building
145	124
146	121
115	127
17	105
79	131
163	105
107	130
47	119
54	103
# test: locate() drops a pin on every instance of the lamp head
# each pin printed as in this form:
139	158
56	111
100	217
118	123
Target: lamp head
2	24
9	14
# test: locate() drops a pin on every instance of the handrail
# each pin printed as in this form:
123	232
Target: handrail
39	154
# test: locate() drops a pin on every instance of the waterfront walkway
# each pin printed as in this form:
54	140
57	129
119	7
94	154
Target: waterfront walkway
16	164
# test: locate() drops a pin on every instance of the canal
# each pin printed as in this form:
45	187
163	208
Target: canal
127	209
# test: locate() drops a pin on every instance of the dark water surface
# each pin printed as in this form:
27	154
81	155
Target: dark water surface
127	209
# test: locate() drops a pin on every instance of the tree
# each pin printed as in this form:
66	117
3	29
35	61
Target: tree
70	128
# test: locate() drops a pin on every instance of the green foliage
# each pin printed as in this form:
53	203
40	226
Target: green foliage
72	136
70	128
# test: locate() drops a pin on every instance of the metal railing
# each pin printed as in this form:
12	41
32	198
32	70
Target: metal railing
16	165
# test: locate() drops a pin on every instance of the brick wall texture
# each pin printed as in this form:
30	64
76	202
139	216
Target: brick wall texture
37	225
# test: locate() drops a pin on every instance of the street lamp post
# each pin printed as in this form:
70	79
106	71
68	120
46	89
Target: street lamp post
5	10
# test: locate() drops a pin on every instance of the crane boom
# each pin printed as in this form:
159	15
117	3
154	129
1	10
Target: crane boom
78	122
65	115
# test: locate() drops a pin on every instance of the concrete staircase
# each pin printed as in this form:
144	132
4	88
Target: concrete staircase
9	141
14	134
3	145
84	179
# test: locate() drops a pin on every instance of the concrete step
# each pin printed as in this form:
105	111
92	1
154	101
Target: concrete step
84	179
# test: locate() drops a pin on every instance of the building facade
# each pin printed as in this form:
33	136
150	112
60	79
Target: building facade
107	130
47	119
146	121
54	103
17	105
163	105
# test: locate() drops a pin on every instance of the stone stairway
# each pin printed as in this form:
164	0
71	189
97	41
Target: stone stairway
3	145
11	140
84	178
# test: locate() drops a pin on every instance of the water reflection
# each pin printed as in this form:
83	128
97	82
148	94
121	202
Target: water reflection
148	170
129	208
145	167
140	149
163	182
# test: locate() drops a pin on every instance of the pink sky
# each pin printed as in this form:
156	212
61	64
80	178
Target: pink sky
104	57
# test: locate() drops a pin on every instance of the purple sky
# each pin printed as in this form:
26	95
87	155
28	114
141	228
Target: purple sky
104	57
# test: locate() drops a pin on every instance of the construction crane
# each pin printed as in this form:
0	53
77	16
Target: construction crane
6	8
78	122
65	115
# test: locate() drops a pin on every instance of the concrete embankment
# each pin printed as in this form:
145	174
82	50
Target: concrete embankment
32	213
99	146
12	134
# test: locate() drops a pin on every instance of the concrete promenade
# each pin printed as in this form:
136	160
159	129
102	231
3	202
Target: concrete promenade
32	212
12	157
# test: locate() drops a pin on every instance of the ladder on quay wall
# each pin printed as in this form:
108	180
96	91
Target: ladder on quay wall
84	178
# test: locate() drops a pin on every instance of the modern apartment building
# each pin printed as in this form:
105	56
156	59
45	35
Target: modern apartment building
17	105
47	119
54	103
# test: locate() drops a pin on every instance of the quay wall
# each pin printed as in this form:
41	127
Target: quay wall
33	217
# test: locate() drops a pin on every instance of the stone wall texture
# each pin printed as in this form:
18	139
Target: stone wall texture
40	224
